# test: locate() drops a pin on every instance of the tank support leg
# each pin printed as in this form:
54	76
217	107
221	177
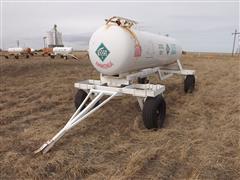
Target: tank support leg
78	116
140	102
165	72
179	65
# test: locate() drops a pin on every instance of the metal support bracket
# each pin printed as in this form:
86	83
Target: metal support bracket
165	72
78	116
140	102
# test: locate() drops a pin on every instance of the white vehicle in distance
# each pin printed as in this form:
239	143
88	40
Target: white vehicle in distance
63	52
18	51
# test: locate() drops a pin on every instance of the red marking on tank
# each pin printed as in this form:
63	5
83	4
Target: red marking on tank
104	66
138	51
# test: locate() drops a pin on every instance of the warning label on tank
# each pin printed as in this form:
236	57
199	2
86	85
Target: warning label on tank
161	49
167	49
173	49
102	52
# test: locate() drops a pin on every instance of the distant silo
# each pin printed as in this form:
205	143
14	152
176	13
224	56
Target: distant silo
54	38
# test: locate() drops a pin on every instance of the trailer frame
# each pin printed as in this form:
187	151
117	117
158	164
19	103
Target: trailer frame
112	86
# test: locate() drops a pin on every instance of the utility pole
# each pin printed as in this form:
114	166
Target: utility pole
238	48
234	40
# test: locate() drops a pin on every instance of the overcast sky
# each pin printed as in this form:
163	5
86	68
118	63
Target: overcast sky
199	26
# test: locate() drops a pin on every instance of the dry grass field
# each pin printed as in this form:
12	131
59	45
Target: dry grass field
200	139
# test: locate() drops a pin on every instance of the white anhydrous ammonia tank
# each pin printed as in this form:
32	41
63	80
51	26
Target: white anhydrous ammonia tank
15	50
114	50
62	50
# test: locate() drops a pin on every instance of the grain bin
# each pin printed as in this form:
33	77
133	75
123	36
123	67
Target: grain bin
54	38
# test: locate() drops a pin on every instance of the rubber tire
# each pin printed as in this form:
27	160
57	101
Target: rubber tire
16	57
52	56
6	57
79	98
189	83
27	56
154	111
142	80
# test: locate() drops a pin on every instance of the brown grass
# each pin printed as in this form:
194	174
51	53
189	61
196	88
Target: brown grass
200	140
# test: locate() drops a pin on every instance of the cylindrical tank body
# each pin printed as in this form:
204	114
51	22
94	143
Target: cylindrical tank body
62	50
114	50
15	50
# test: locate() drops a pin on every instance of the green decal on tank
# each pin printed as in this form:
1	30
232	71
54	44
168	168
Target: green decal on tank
102	52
